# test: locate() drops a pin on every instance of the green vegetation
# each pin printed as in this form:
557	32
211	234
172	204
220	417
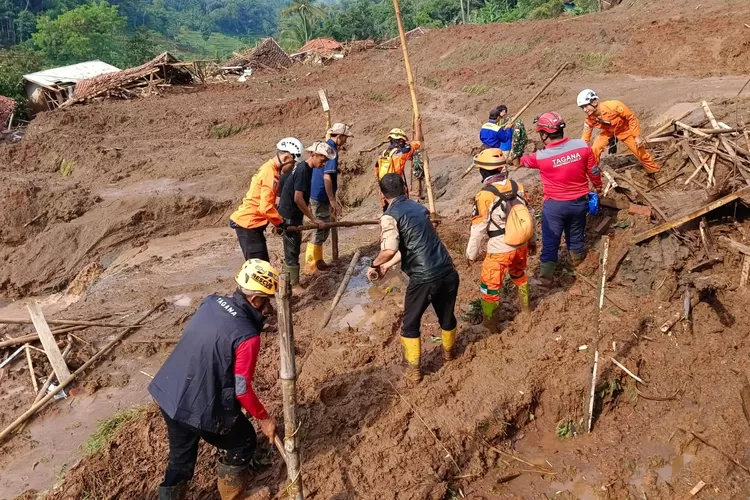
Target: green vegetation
108	428
477	89
225	130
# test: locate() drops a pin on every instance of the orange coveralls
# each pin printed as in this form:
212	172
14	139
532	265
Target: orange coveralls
398	159
623	124
258	207
501	257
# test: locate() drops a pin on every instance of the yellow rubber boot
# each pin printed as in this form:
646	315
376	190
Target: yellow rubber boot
320	264
523	297
412	355
448	338
311	257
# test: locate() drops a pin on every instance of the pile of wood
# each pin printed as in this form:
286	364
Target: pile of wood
267	55
19	350
163	71
713	153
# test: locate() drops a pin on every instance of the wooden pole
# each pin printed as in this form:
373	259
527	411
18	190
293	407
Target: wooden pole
288	375
31	369
33	336
342	288
328	225
531	101
70	322
65	383
668	125
414	104
323	95
598	332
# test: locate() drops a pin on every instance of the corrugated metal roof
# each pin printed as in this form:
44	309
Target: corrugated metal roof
54	77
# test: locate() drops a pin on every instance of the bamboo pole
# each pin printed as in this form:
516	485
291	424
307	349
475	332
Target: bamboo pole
598	332
342	288
288	375
67	322
667	125
531	101
33	336
65	383
415	105
31	369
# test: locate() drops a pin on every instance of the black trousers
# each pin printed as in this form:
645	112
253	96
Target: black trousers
253	242
441	293
292	244
237	447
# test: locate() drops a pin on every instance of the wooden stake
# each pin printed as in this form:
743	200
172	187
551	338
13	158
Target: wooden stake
323	95
48	342
531	101
328	225
638	238
342	288
288	375
65	383
414	104
31	369
598	332
745	270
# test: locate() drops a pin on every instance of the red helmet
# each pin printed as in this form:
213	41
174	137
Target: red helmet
549	122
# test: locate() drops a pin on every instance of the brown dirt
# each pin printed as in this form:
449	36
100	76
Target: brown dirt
138	221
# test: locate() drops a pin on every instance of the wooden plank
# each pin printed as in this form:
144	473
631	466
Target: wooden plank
745	270
603	225
692	215
48	342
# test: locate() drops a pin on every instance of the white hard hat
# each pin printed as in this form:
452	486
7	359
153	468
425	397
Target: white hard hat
290	145
586	96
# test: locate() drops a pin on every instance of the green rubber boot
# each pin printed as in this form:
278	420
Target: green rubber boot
547	272
489	309
523	298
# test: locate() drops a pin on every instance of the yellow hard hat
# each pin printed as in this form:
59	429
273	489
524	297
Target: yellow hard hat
490	159
258	276
396	133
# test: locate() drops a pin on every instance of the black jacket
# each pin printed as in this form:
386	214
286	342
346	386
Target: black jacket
424	258
195	385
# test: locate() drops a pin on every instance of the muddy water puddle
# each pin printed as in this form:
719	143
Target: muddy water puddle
362	304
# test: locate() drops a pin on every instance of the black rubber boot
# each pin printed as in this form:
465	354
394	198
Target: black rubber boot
173	492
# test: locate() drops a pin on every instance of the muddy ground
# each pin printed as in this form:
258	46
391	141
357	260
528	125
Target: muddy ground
143	218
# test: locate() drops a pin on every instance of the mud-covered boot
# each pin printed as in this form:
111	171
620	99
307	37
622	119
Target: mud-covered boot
232	481
523	298
297	290
547	273
177	492
489	309
577	258
448	339
412	355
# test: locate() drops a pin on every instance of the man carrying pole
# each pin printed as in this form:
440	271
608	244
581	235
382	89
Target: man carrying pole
392	160
408	237
208	378
323	201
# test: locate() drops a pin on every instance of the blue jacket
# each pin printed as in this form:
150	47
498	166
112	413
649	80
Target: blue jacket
493	135
196	384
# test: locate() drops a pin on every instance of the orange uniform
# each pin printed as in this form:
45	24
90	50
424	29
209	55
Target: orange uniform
616	119
393	161
488	226
258	207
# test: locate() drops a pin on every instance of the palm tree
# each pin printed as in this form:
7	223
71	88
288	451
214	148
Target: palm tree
307	14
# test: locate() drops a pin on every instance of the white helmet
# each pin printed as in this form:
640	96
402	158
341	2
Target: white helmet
586	96
290	145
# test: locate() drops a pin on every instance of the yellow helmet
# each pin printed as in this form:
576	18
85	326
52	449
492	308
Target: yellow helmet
258	276
490	159
396	133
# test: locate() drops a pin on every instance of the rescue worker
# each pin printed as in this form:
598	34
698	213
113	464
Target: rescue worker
488	224
615	120
566	166
258	207
207	379
392	160
494	134
323	201
294	205
408	236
